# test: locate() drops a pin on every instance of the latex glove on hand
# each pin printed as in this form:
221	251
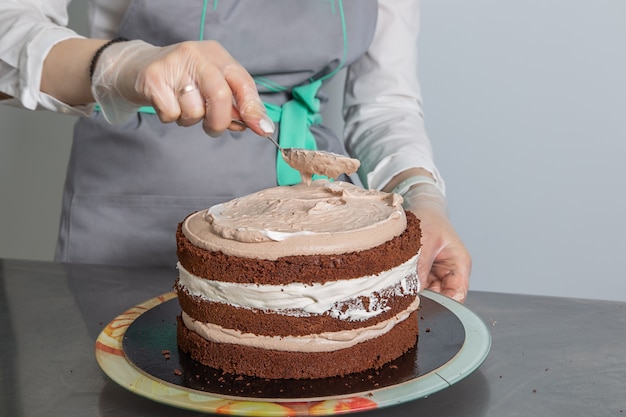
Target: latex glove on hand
186	83
444	264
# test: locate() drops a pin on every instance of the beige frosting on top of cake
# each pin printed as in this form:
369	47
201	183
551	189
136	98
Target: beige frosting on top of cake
310	162
321	218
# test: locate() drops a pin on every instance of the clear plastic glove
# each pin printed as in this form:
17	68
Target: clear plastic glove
186	83
444	264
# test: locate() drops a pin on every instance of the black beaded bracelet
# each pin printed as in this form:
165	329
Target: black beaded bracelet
96	56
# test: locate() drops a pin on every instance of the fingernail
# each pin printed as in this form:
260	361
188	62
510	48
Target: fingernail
267	126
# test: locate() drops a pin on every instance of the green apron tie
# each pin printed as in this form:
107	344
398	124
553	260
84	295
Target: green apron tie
296	117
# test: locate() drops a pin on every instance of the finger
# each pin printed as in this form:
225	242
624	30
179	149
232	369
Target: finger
237	126
448	275
191	105
165	103
235	115
247	100
424	265
218	99
452	281
434	286
454	286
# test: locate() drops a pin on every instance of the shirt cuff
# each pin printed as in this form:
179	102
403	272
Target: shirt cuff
394	164
31	67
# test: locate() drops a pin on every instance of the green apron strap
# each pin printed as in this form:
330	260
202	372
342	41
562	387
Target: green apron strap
296	117
142	109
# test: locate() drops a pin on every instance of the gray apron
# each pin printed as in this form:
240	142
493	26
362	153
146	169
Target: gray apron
129	185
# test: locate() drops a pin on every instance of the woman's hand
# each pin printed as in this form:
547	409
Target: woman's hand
186	83
444	264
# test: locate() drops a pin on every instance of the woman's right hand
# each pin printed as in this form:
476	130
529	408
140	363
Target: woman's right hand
186	83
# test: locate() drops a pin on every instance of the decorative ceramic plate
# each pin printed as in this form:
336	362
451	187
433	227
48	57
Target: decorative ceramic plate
138	351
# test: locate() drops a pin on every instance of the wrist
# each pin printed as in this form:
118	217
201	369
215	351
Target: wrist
401	176
113	83
425	196
65	74
98	53
407	184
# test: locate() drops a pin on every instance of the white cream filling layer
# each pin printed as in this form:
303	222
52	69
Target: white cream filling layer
303	300
323	342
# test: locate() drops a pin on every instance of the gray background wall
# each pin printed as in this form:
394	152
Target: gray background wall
525	103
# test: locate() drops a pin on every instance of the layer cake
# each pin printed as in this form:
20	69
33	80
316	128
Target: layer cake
302	281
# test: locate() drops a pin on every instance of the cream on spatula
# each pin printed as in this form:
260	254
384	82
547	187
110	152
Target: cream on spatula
309	162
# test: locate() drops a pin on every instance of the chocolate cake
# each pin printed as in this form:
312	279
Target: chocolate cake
303	281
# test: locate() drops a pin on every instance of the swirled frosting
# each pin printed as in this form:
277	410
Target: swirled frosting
321	218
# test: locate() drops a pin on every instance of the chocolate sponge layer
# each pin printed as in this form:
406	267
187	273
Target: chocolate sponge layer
244	360
275	324
302	269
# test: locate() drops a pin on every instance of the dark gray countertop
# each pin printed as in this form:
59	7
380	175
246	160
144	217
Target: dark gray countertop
549	356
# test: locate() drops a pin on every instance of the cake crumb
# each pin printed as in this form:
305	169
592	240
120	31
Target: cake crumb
177	372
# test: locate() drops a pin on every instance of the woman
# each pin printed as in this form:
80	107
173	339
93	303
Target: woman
232	70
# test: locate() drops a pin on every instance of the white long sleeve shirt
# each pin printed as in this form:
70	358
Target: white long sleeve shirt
384	126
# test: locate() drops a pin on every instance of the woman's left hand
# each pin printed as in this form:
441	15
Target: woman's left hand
444	264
